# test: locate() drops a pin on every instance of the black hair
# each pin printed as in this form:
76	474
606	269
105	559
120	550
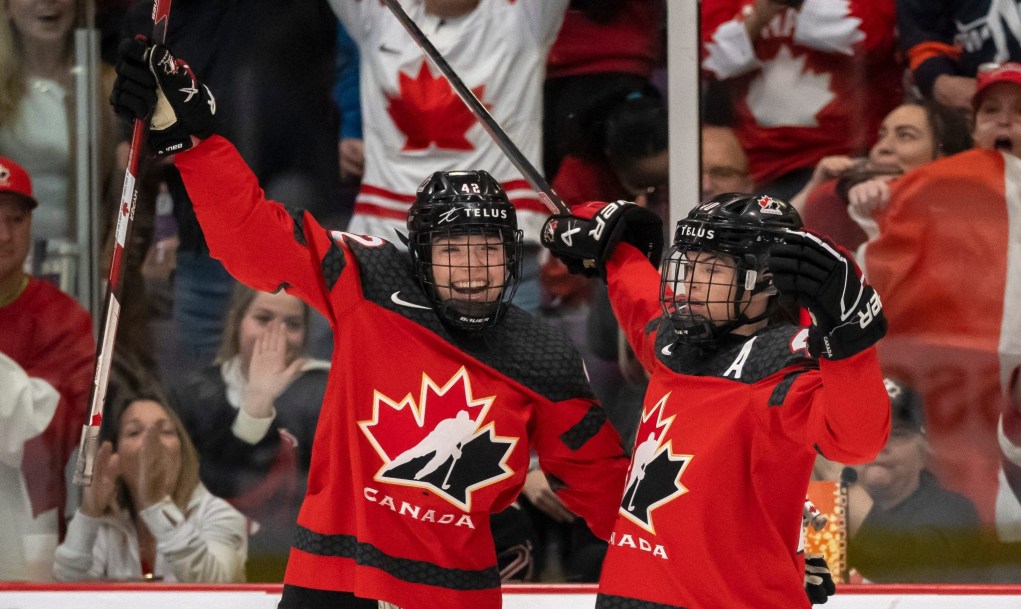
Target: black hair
950	130
636	127
621	123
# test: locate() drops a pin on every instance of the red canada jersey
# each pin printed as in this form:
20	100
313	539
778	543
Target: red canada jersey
712	505
817	82
424	432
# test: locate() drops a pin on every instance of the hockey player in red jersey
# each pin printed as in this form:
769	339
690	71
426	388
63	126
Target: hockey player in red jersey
739	401
440	387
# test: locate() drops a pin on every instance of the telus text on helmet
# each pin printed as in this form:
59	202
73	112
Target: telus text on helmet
700	232
472	212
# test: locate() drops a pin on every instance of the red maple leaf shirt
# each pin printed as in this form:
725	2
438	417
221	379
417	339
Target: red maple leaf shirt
414	122
423	433
712	505
817	82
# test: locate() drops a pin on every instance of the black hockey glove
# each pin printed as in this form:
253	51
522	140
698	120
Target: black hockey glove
819	584
586	239
151	80
847	316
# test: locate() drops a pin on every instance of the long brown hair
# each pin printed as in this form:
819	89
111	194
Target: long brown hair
187	479
13	81
240	301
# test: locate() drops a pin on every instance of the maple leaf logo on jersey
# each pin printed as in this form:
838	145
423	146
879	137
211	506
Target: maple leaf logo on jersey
428	112
439	442
654	477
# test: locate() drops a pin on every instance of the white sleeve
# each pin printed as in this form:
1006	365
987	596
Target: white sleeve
27	405
252	429
210	546
730	53
828	26
75	558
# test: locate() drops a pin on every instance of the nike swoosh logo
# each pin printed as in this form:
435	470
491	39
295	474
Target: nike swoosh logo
668	350
397	300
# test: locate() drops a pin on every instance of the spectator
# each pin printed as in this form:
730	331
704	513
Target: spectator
807	80
35	81
146	515
276	104
252	415
724	163
36	130
631	35
946	42
958	318
429	443
415	124
914	531
911	135
46	355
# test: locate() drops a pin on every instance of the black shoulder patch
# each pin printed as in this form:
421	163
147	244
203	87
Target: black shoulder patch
585	429
780	391
298	219
333	264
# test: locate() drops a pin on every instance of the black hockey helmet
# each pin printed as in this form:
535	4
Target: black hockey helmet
742	227
471	208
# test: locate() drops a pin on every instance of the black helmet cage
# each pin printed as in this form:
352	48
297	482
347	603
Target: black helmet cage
738	230
472	205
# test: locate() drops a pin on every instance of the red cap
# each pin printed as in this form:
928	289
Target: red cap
14	179
990	74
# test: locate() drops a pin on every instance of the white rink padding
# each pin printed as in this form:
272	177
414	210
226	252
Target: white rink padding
255	596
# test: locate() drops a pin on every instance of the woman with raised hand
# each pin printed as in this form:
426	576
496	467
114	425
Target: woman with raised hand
146	515
253	414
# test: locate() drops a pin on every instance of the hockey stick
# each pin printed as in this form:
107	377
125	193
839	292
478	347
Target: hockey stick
125	217
634	491
549	198
446	478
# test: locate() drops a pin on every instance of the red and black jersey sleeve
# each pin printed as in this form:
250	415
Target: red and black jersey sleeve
634	294
289	248
849	409
581	454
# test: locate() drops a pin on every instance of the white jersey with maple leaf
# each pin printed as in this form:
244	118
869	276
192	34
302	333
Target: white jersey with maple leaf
817	82
414	122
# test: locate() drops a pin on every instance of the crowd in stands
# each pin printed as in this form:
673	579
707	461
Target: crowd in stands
892	126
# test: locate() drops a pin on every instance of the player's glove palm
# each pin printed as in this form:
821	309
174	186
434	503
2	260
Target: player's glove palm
847	315
151	80
585	239
819	584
